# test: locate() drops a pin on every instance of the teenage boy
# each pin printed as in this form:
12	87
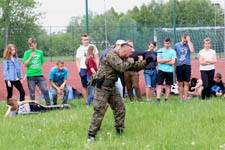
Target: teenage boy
33	60
80	62
183	65
217	86
58	78
166	59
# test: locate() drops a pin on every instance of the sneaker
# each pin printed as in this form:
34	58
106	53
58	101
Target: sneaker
157	101
186	101
166	100
181	101
66	106
87	106
140	101
148	101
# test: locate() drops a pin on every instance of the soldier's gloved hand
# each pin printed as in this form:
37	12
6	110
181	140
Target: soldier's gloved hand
149	59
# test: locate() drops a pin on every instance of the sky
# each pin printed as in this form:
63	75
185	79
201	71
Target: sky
59	12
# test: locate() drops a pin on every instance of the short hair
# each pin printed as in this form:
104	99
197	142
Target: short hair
152	42
207	40
185	35
31	41
219	75
84	35
167	40
125	44
59	62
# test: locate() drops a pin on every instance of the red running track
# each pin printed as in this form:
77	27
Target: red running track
74	79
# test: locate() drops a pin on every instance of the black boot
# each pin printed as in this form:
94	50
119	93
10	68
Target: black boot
119	131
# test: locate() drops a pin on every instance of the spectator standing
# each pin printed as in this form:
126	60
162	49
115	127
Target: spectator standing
207	60
183	65
150	72
33	60
118	83
58	78
80	62
132	81
92	68
12	72
166	59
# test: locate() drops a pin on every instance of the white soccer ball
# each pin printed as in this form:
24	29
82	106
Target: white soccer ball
174	89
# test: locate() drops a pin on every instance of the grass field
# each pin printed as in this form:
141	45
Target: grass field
149	126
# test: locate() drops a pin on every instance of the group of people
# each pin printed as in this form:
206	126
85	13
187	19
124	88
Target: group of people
115	62
103	80
33	59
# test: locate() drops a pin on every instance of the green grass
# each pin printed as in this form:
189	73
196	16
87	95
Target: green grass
149	126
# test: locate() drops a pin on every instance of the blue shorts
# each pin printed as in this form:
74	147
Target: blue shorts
150	78
83	76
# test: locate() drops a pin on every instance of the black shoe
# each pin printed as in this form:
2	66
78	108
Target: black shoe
91	138
119	131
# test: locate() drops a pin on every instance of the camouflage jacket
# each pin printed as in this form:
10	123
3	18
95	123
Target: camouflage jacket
112	65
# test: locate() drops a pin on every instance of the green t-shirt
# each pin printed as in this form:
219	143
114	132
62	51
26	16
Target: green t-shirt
34	68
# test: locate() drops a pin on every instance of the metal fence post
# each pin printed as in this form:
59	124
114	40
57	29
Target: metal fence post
73	49
50	43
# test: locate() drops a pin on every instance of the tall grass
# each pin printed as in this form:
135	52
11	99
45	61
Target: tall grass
149	126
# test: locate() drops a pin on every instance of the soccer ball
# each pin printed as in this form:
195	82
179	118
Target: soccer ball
174	89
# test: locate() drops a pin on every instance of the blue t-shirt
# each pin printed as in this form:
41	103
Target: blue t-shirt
166	54
152	64
103	54
183	54
58	75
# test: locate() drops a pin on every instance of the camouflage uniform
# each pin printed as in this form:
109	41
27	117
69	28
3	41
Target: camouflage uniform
111	66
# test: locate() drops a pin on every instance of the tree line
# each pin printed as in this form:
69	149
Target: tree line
20	21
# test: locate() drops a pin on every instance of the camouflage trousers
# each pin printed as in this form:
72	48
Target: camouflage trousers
101	98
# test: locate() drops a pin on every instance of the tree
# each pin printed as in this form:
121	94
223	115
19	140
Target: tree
19	18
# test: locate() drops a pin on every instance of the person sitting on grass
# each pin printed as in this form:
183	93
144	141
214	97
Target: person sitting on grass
195	87
29	107
217	86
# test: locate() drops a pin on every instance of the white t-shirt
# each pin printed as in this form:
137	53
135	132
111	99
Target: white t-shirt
207	55
81	53
21	110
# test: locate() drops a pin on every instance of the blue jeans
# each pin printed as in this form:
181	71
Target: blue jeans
41	82
55	93
83	77
91	92
150	78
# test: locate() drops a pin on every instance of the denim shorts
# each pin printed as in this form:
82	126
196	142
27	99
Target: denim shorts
150	78
83	76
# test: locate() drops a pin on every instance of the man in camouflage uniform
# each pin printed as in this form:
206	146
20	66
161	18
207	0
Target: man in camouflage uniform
112	64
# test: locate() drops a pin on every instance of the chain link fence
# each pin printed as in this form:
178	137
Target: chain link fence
62	42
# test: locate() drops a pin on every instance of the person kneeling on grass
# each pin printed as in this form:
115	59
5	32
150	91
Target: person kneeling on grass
29	107
217	86
58	78
195	87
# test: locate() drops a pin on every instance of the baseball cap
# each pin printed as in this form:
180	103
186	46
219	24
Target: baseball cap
119	42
